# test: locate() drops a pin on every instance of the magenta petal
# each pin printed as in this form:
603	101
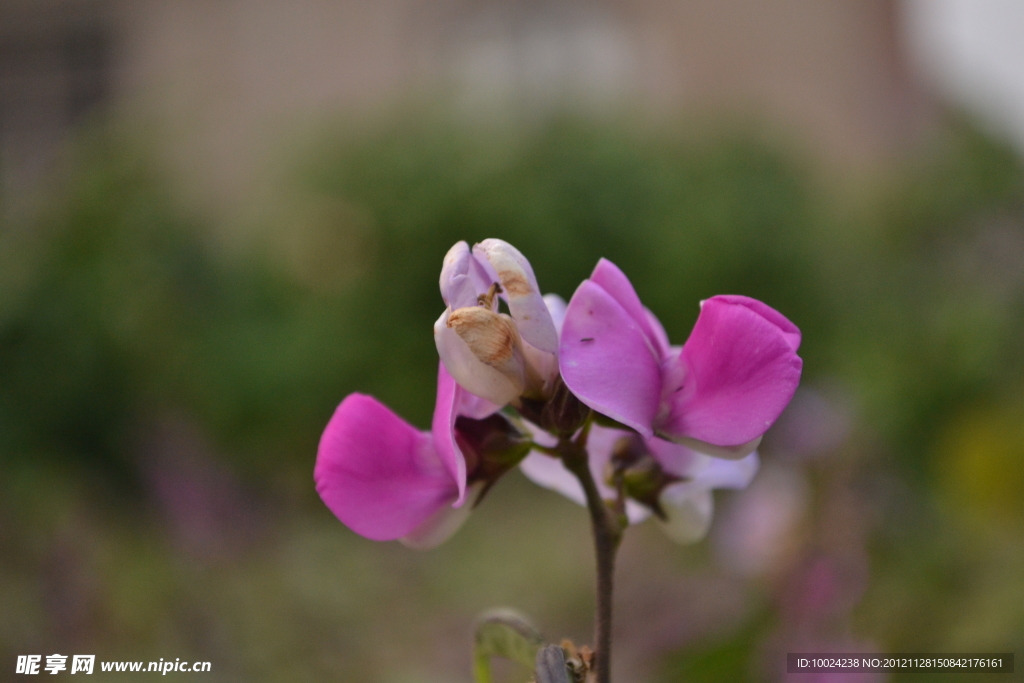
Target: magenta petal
446	409
614	281
378	474
739	371
790	331
606	360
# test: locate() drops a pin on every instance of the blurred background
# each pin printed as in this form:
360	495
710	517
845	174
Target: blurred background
218	218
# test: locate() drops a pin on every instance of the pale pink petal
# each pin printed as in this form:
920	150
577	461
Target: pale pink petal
379	475
473	406
606	360
738	369
462	278
520	290
556	307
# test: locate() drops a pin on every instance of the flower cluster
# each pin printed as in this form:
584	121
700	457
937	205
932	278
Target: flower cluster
664	425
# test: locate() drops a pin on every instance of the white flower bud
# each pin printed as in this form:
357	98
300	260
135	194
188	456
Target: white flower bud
493	339
482	352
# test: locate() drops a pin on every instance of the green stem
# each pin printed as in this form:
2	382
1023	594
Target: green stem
607	529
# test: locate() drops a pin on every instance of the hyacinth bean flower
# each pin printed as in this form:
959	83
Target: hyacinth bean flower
717	394
387	480
499	357
668	479
673	481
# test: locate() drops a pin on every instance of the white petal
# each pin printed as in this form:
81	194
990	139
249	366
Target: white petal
716	473
688	509
520	289
441	525
727	452
549	472
470	373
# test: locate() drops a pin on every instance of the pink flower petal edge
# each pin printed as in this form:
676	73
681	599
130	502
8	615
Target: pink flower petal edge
377	473
739	370
607	361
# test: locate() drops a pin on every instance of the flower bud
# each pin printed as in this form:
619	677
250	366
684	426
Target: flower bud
493	339
519	284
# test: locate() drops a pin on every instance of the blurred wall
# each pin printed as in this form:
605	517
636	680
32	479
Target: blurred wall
224	82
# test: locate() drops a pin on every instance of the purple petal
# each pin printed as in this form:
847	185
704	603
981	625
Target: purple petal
520	289
379	475
739	371
612	280
606	360
790	331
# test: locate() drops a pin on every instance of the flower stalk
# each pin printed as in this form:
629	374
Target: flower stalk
607	527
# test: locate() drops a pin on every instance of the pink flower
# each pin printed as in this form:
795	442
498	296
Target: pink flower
717	394
387	480
682	479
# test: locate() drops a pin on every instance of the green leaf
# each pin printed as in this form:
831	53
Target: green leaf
503	633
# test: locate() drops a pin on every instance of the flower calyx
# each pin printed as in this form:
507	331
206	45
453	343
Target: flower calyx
635	471
492	446
562	414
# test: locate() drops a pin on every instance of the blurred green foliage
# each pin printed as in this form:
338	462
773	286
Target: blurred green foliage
118	308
